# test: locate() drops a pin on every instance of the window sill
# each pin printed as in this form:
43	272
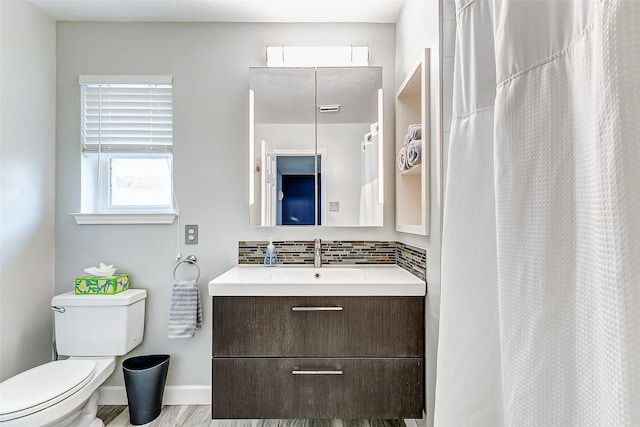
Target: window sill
124	218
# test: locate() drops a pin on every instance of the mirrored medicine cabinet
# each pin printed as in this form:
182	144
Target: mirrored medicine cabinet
315	146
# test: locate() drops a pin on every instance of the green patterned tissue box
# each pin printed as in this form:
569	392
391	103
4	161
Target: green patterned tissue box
102	285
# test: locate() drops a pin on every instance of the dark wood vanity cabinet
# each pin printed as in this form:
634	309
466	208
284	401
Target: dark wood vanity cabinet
318	357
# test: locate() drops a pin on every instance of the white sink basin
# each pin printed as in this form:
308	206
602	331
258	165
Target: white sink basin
365	280
308	275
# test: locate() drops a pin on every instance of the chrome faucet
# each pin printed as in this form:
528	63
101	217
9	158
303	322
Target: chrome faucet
317	254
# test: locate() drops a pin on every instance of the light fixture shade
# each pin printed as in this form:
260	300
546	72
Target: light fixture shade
317	56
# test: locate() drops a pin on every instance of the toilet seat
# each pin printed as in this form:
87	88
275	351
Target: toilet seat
43	386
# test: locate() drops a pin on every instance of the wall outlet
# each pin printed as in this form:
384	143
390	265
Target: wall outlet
190	234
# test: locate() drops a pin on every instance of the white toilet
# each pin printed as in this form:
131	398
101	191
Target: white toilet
92	330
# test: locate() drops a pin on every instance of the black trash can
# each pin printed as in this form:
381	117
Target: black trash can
144	379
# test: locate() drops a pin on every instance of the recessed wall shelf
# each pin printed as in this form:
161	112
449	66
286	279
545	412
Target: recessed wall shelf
412	185
415	170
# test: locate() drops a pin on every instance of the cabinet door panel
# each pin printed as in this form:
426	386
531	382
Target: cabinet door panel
318	326
317	388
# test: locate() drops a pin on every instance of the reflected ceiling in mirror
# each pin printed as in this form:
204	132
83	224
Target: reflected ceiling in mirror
283	95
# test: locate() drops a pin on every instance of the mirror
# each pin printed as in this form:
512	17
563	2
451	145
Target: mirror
315	146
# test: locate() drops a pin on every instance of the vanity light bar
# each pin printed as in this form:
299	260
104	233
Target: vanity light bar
251	146
380	147
264	185
317	56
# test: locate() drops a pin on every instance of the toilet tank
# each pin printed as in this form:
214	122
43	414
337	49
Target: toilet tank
99	325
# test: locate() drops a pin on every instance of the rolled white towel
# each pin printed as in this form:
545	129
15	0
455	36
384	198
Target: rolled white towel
414	132
402	159
414	152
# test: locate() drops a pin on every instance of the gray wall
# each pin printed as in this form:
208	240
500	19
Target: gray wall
27	142
209	63
418	28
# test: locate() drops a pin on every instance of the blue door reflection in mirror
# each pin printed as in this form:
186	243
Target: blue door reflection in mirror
296	201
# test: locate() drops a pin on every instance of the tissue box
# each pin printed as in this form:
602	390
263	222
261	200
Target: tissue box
102	285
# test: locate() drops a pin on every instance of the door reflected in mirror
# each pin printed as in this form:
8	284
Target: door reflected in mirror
296	190
298	115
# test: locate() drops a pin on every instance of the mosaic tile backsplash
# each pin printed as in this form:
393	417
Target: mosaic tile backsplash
344	252
412	259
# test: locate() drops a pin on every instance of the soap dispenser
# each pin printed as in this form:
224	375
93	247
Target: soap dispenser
270	258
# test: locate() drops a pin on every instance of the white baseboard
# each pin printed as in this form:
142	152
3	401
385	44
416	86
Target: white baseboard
173	395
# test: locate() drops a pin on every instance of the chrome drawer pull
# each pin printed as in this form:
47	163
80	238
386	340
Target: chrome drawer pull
300	372
335	308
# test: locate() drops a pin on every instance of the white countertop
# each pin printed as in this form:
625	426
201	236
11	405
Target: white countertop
330	280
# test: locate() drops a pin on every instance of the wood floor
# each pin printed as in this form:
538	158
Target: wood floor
200	416
196	416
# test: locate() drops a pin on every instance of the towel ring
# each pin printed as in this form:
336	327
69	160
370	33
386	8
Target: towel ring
191	259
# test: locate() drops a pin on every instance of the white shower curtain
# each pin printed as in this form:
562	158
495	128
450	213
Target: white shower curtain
370	207
540	315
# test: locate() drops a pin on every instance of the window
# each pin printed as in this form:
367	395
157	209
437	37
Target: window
139	181
127	145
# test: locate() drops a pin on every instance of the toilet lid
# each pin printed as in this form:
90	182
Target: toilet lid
43	386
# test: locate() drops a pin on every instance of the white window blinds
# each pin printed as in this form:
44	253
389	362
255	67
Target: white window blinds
127	114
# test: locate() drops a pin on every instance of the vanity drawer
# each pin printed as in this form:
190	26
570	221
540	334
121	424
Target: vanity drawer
279	388
318	326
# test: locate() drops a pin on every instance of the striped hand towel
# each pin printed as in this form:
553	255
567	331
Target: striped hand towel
185	314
